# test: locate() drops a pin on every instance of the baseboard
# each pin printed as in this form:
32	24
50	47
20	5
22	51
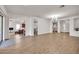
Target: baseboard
43	34
64	32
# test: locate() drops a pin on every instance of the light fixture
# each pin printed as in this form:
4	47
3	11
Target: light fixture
61	6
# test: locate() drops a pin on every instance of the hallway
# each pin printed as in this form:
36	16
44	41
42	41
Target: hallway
46	43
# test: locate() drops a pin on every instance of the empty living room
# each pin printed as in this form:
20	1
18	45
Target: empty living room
39	29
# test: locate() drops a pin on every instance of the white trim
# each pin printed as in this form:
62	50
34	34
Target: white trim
3	10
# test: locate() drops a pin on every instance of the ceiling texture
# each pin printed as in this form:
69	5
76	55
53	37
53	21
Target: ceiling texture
43	10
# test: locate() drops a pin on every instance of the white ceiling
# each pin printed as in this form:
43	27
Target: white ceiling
42	10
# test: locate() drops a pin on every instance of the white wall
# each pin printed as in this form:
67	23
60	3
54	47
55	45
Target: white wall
64	25
16	20
29	26
12	24
5	28
72	31
5	23
43	26
51	25
76	21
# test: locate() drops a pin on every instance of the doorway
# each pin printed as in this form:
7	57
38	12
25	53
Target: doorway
35	27
20	29
64	26
54	25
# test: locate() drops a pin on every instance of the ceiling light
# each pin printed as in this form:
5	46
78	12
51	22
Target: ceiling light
61	6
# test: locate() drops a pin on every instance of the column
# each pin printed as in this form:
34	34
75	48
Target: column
59	26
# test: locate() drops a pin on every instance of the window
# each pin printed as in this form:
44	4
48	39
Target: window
17	27
1	28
